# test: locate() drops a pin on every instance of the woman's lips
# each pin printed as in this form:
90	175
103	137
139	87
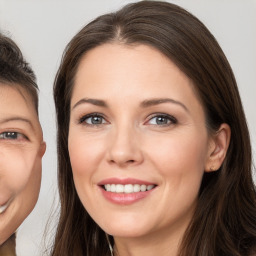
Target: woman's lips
125	191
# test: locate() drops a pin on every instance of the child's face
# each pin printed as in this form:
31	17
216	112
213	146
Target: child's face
21	151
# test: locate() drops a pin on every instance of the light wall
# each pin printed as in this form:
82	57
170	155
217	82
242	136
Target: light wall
42	28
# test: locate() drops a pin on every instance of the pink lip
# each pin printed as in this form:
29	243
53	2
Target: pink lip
123	198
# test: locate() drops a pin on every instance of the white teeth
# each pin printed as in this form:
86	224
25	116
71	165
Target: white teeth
108	187
149	187
143	188
136	188
119	188
128	188
3	208
113	188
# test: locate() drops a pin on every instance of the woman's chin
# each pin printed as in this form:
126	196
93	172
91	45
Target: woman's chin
126	231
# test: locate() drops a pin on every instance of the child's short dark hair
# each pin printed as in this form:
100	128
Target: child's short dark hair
14	70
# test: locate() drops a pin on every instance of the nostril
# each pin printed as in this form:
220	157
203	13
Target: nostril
112	161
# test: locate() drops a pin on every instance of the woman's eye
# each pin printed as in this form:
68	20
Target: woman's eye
11	136
162	120
93	120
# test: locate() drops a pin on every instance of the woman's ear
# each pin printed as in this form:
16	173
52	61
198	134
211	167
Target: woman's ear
218	147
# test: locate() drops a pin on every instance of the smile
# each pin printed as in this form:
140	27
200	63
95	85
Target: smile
126	191
128	188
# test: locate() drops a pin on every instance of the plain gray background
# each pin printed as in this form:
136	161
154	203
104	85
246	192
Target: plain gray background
42	28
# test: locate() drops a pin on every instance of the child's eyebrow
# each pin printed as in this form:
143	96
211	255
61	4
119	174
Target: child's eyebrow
16	118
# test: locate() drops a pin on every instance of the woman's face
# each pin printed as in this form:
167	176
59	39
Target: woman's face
137	141
21	150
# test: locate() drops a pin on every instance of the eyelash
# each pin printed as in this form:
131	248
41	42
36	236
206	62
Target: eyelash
169	119
92	115
10	135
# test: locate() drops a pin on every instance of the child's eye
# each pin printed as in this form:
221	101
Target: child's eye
12	136
93	119
162	119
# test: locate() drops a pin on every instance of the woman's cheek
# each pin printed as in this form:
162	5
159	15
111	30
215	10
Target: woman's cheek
85	154
179	154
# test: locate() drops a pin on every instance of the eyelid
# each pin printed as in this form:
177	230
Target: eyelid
19	134
82	118
172	119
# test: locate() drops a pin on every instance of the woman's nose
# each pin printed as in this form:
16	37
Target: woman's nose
125	148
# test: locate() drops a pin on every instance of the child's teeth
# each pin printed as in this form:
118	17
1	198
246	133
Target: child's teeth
3	208
128	188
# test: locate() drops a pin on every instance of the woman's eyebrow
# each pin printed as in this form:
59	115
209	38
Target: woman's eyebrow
157	101
16	118
96	102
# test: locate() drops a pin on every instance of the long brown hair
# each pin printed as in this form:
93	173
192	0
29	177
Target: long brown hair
224	222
